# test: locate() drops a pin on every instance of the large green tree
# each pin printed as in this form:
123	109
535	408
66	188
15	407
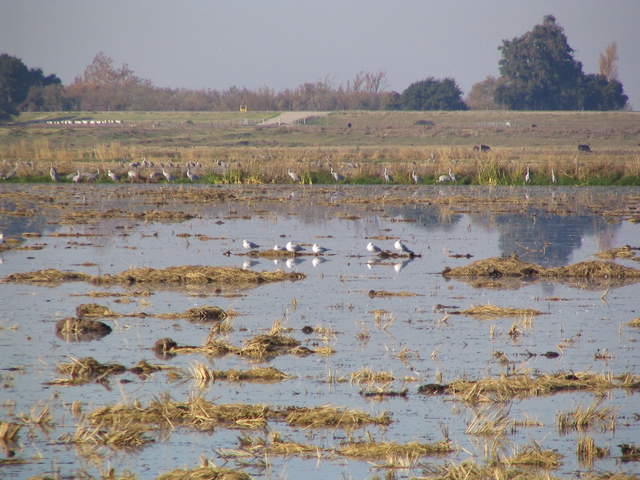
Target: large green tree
540	73
432	94
16	80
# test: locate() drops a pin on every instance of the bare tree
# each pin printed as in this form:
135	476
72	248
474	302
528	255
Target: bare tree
609	62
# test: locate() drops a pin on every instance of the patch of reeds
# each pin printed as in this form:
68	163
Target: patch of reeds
522	385
94	310
493	311
203	374
170	276
276	445
587	451
489	422
392	451
625	251
385	293
331	417
583	419
205	314
368	376
499	272
196	413
533	455
205	473
80	371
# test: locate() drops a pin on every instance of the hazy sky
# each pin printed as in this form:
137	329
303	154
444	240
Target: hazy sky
283	43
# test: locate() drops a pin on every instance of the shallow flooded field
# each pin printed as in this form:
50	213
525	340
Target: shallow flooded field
388	341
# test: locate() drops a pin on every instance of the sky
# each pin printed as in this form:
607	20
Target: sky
283	43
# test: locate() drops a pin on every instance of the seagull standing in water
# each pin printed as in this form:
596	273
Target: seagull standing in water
293	247
249	245
373	248
318	250
398	245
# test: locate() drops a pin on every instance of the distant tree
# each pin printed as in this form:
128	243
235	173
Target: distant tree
595	92
481	96
608	62
539	73
432	94
393	101
16	79
539	70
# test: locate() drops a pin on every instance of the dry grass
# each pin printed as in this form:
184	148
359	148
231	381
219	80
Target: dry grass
508	272
583	419
368	376
203	374
275	445
587	451
332	417
524	385
534	455
168	277
626	251
393	452
634	323
205	473
127	425
493	311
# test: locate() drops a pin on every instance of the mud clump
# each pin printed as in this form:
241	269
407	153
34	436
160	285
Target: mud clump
493	311
164	348
49	276
73	329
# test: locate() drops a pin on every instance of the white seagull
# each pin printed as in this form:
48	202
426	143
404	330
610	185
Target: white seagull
402	247
249	245
373	248
318	250
293	247
278	248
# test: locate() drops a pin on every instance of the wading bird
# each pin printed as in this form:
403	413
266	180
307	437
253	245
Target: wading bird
527	177
293	175
415	177
53	173
293	247
249	245
112	176
336	176
318	250
387	176
191	176
553	176
398	245
76	177
373	248
167	175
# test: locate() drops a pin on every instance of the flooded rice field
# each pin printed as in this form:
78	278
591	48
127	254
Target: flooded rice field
413	379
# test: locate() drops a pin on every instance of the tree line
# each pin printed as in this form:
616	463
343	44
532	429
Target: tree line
537	72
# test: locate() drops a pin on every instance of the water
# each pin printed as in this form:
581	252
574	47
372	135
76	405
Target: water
413	340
